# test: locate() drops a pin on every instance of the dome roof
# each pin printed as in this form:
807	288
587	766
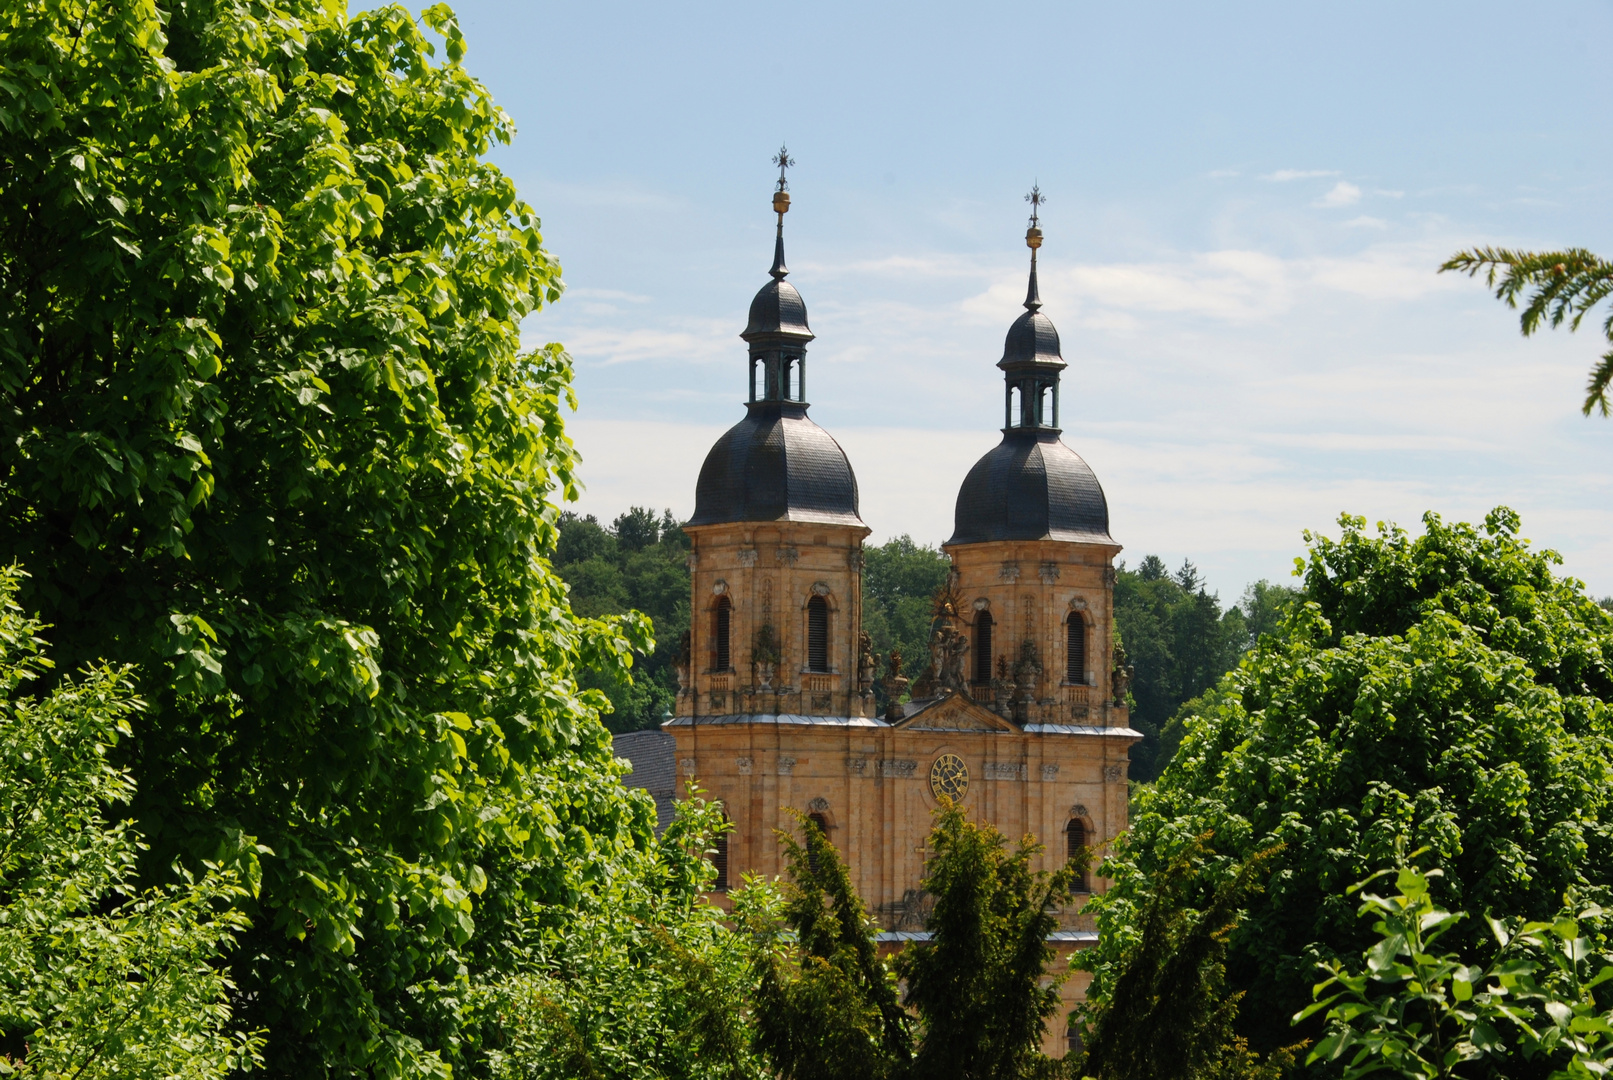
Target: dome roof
778	309
1031	487
1031	340
776	465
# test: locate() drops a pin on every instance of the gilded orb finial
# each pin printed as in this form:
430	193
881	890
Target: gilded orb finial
1033	235
781	194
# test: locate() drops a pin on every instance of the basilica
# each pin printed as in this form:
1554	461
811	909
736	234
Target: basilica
1018	712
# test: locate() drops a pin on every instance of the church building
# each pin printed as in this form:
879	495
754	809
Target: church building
1018	712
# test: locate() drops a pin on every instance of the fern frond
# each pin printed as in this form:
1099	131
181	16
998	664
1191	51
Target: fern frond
1561	286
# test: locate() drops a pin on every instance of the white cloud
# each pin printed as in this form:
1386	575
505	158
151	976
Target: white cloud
1282	176
1342	193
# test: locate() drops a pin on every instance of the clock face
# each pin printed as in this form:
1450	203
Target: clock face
949	776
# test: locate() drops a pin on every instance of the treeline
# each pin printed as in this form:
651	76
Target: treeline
1176	635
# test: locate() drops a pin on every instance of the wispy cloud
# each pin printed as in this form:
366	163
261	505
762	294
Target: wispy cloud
1283	176
1342	193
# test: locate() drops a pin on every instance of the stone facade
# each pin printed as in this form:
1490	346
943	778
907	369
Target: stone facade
767	575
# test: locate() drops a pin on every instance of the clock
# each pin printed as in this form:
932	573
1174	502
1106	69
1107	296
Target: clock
949	776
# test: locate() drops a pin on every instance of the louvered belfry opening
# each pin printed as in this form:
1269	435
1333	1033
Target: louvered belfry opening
1075	838
719	859
983	647
1075	652
823	826
722	618
817	634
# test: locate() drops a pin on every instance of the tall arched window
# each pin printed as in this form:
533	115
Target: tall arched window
1075	839
983	647
817	634
1075	649
822	824
721	620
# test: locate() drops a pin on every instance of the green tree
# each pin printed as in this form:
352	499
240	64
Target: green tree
647	983
97	979
269	439
979	986
1179	642
1446	690
826	1005
1163	1009
640	565
1563	286
1541	1002
899	586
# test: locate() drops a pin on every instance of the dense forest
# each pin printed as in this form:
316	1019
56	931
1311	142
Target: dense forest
1176	634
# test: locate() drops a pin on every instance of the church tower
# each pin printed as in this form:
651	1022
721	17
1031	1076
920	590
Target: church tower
1031	550
776	617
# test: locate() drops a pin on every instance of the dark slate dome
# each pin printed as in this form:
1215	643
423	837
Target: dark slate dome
778	309
776	465
1031	340
1031	487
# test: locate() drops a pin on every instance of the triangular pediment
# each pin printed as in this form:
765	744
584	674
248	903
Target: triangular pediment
954	712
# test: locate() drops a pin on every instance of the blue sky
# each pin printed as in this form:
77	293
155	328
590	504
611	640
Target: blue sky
1247	206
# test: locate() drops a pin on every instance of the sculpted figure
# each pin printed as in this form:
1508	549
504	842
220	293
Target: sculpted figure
865	664
1120	678
682	663
895	684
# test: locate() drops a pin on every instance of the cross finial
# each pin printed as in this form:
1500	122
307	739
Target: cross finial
1036	199
783	160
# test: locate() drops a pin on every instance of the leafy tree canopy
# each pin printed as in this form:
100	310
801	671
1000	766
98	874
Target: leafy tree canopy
639	563
1446	690
97	979
1179	643
268	438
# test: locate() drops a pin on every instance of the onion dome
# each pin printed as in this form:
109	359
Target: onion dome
776	464
1031	486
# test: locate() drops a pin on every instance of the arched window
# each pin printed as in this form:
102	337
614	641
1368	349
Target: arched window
983	647
1075	840
822	824
817	634
1075	649
722	618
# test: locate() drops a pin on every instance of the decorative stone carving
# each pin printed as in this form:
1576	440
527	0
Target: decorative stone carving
895	684
819	805
1114	772
1004	770
821	588
982	604
857	766
1110	576
743	764
822	701
683	663
747	556
1080	811
686	766
1078	604
719	587
1080	712
896	768
764	656
1050	773
865	664
692	559
788	556
1027	674
1048	572
1120	678
1009	572
948	648
786	766
855	560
